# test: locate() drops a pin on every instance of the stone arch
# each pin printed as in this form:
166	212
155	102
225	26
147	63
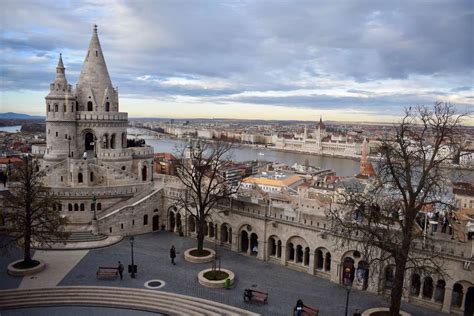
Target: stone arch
274	246
76	207
144	172
253	244
82	207
225	233
295	245
89	139
80	177
112	141
55	107
244	241
69	207
179	226
107	106
462	294
348	270
290	252
415	283
362	274
171	219
90	106
156	221
440	290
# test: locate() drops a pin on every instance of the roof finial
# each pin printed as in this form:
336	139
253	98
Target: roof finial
95	28
60	61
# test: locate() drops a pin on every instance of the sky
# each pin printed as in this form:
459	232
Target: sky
286	60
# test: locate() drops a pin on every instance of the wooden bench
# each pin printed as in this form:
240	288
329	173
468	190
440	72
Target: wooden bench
107	272
254	295
310	311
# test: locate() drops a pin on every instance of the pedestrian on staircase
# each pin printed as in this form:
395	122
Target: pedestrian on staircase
120	270
172	254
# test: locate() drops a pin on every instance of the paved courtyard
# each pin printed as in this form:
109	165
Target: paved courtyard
284	286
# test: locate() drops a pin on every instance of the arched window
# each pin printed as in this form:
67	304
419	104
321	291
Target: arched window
124	140
291	252
144	175
319	259
49	107
92	206
112	141
145	219
439	292
90	106
77	106
79	177
299	253
428	288
327	265
55	108
106	141
389	276
415	284
69	207
91	176
458	293
306	256
82	207
107	106
273	247
99	206
76	207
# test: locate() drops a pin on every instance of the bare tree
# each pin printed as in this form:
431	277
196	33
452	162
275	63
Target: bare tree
386	218
200	171
31	211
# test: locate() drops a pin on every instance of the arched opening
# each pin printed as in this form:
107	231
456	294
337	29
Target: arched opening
279	249
362	274
55	108
299	254
439	292
144	173
76	207
107	106
80	177
224	234
112	141
469	301
89	141
179	227
230	235
306	256
145	219
291	252
172	221
415	284
92	206
124	140
319	259
99	206
156	222
69	207
64	108
389	276
106	141
348	271
254	244
191	224
428	288
91	177
272	247
49	108
82	207
327	263
244	241
90	106
458	293
211	229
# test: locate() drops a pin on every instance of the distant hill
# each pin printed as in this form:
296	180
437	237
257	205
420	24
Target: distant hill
19	116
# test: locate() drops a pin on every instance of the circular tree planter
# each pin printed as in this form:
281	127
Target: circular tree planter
191	256
15	271
381	311
224	274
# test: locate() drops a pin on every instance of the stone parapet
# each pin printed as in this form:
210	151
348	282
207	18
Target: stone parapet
102	116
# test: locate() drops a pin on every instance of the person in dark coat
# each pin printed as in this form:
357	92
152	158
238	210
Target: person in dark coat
172	254
120	270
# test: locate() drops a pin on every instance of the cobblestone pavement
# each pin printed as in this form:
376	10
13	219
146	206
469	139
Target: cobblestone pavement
74	311
284	286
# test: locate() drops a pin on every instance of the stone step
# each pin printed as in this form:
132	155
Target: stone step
81	237
140	299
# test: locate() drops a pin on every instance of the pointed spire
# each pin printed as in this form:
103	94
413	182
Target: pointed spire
60	62
94	73
60	71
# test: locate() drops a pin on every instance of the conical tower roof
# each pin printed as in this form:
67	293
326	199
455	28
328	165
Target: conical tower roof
94	73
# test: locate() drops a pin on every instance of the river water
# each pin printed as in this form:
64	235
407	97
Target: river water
10	129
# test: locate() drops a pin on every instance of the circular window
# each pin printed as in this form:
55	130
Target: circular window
154	284
123	168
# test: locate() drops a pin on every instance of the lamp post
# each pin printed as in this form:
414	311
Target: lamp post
94	200
131	268
348	288
69	142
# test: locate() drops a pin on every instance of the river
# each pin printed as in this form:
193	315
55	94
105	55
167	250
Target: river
10	129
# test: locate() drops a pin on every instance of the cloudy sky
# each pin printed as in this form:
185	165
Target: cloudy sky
344	60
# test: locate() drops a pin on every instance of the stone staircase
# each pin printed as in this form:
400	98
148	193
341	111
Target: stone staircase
82	236
115	297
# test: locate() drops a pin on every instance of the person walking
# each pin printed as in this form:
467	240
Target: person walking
172	254
298	310
120	270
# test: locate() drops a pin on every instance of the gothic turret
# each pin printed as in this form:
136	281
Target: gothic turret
94	88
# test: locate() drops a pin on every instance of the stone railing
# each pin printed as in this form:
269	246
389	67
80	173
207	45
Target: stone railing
113	191
102	116
142	152
121	153
38	150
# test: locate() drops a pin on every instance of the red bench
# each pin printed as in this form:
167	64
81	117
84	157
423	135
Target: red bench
107	272
310	311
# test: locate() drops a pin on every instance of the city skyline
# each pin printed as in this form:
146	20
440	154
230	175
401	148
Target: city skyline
248	60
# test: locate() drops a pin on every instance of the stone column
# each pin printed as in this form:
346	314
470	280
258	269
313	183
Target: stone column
283	255
235	242
262	251
335	270
311	263
448	293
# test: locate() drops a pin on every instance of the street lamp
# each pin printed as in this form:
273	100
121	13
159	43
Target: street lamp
132	269
348	288
94	200
69	141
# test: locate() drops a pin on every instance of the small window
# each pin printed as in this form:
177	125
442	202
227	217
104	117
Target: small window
92	177
123	168
96	54
65	136
55	108
57	134
64	108
99	206
82	207
92	206
79	177
145	220
69	207
76	207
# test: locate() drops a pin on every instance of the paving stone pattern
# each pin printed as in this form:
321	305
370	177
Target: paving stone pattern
284	286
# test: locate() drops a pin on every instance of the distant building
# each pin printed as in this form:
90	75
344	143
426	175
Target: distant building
165	163
272	181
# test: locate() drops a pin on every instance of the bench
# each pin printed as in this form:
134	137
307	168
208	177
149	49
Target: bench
310	311
254	295
107	272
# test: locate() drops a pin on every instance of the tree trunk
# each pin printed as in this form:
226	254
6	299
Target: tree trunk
200	235
27	239
397	288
